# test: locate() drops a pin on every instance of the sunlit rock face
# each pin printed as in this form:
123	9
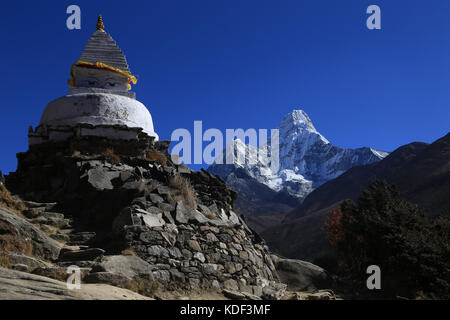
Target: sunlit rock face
99	102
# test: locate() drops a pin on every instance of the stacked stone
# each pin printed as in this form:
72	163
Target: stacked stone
133	204
207	245
183	245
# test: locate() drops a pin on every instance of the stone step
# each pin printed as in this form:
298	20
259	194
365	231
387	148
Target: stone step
81	264
58	272
52	221
47	206
78	238
80	255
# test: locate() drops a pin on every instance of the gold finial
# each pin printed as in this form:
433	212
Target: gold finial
100	25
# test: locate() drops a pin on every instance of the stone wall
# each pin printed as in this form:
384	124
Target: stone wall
188	232
61	133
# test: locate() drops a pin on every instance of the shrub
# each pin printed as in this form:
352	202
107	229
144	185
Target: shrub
128	252
111	156
186	190
412	251
157	156
76	154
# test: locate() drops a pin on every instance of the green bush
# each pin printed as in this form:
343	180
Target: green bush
412	251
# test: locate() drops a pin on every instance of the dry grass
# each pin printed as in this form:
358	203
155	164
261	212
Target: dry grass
128	252
8	201
4	261
111	156
10	241
76	154
186	189
60	275
157	156
142	286
209	214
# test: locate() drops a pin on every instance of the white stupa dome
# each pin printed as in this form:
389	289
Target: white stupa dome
98	109
98	95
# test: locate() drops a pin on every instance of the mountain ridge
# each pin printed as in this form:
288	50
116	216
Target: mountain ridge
306	161
421	171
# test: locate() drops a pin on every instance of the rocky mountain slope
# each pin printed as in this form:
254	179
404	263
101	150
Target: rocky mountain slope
306	161
421	171
38	245
179	223
123	214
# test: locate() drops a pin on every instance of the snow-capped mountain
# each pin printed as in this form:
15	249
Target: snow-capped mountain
306	160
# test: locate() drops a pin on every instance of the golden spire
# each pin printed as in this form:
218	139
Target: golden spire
100	25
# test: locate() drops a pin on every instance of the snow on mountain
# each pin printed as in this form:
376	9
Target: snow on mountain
306	158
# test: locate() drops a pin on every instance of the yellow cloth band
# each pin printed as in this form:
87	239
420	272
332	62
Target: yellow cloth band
100	65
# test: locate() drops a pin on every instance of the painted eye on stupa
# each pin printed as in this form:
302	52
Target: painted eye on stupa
91	83
111	84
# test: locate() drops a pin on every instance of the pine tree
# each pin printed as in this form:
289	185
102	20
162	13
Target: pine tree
382	229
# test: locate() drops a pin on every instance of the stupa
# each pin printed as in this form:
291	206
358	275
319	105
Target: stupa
99	103
96	159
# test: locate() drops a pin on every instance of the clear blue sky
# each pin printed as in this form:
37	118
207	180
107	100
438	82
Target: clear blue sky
243	64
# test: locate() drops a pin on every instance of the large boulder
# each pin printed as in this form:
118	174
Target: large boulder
17	235
16	285
20	258
274	291
128	266
301	275
100	178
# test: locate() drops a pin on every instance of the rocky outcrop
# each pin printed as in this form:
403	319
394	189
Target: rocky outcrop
301	275
16	285
22	237
128	266
179	224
